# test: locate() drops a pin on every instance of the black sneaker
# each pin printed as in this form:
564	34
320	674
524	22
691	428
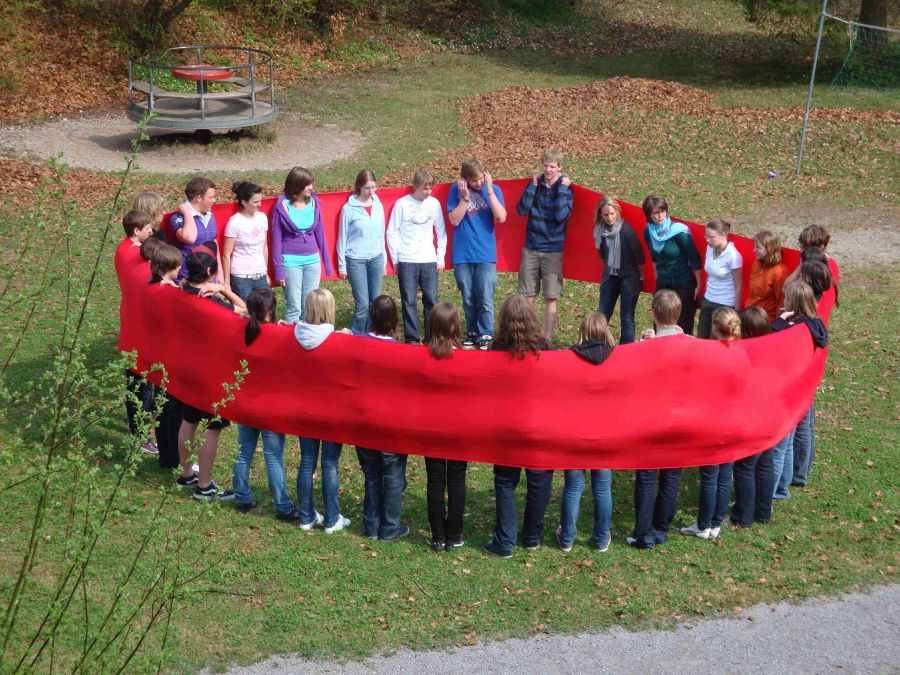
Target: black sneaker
404	531
291	516
453	544
492	548
484	342
212	491
189	482
246	507
439	546
470	342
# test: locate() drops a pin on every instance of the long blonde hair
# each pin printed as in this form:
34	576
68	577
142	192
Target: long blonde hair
603	203
595	327
319	307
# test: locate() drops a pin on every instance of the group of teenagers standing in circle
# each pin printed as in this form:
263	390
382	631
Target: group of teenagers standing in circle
415	239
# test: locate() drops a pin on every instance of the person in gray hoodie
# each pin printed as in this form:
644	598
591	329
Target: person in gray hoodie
312	331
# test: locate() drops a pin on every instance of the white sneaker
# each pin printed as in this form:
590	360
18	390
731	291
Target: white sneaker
318	520
693	531
714	532
339	525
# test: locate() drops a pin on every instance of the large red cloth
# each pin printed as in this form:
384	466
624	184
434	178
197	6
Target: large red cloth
664	403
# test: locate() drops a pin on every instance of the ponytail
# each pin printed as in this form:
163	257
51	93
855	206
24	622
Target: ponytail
260	307
252	330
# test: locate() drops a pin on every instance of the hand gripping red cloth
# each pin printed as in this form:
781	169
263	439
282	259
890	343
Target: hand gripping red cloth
665	403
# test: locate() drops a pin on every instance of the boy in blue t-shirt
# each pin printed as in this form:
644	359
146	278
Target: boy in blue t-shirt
194	223
474	204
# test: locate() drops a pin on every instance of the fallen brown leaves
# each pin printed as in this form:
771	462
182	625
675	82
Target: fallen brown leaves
84	188
58	65
63	64
512	126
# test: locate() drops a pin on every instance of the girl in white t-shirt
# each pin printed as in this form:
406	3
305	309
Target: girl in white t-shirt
245	259
724	276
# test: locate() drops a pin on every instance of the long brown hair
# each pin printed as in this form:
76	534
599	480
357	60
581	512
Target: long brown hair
443	330
799	299
362	178
771	244
296	182
518	327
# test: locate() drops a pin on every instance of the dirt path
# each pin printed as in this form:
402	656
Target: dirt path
857	633
99	141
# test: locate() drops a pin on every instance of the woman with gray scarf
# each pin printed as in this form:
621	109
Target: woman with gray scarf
623	260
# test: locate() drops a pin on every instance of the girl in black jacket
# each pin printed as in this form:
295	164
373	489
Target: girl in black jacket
623	261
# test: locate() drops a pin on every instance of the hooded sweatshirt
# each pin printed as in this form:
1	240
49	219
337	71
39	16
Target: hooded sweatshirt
816	326
311	335
360	235
593	351
287	239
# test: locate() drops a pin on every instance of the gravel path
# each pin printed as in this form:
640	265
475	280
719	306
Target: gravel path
856	633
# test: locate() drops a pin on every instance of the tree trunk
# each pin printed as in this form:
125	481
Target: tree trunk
873	12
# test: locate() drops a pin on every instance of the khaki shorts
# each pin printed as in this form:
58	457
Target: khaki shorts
541	269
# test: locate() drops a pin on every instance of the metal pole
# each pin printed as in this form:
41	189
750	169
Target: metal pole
812	81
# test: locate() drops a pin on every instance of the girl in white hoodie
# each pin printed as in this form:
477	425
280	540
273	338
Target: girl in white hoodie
316	326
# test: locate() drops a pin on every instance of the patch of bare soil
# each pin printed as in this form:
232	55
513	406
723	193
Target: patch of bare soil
99	141
860	236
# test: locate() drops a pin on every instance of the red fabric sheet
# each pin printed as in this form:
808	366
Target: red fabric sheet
664	403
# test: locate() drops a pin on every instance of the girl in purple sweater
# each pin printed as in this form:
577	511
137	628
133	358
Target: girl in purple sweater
298	242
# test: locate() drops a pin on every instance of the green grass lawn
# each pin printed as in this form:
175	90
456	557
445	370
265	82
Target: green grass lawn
266	588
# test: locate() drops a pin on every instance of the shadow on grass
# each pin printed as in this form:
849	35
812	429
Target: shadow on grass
752	66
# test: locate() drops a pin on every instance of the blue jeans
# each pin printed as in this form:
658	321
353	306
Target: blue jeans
309	458
411	277
783	461
365	278
385	481
298	283
601	487
537	496
273	455
477	283
652	517
244	286
804	447
630	291
753	488
715	491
